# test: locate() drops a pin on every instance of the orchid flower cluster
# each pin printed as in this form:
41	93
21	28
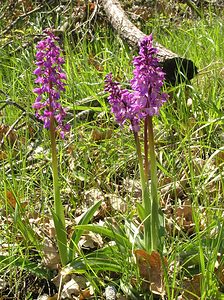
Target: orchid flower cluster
142	103
146	97
51	79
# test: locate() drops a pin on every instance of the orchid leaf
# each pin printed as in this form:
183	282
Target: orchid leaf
141	211
61	238
78	232
95	264
110	233
99	260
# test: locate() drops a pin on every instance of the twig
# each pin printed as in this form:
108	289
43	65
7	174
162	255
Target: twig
194	8
88	21
20	18
10	102
11	128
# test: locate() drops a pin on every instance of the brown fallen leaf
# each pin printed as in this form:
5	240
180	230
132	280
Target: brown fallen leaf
100	135
91	60
171	190
151	270
116	203
7	134
3	155
132	187
51	257
184	217
219	158
191	287
12	200
86	294
91	240
73	287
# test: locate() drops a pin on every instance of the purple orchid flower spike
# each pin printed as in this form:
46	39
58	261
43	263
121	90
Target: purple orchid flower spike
146	97
148	78
50	78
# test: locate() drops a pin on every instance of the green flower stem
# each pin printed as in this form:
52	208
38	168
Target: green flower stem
58	214
145	196
155	239
146	148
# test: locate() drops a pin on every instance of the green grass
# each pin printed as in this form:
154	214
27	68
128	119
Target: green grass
189	144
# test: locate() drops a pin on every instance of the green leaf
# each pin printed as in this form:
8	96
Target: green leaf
61	238
25	264
78	232
141	211
84	108
95	264
119	239
25	229
100	260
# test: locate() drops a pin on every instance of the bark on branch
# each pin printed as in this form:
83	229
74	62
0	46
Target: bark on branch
177	69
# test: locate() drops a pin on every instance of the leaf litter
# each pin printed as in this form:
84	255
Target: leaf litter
178	213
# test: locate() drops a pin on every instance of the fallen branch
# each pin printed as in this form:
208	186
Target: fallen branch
177	69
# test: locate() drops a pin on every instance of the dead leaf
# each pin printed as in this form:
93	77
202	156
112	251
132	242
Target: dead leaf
219	158
92	6
92	61
86	294
73	287
115	202
191	287
172	190
12	200
150	269
91	240
51	257
92	196
133	188
7	134
3	155
100	135
198	164
184	217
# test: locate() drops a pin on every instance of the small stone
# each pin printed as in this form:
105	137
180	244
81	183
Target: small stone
110	292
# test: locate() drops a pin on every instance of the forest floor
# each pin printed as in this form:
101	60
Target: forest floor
98	168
